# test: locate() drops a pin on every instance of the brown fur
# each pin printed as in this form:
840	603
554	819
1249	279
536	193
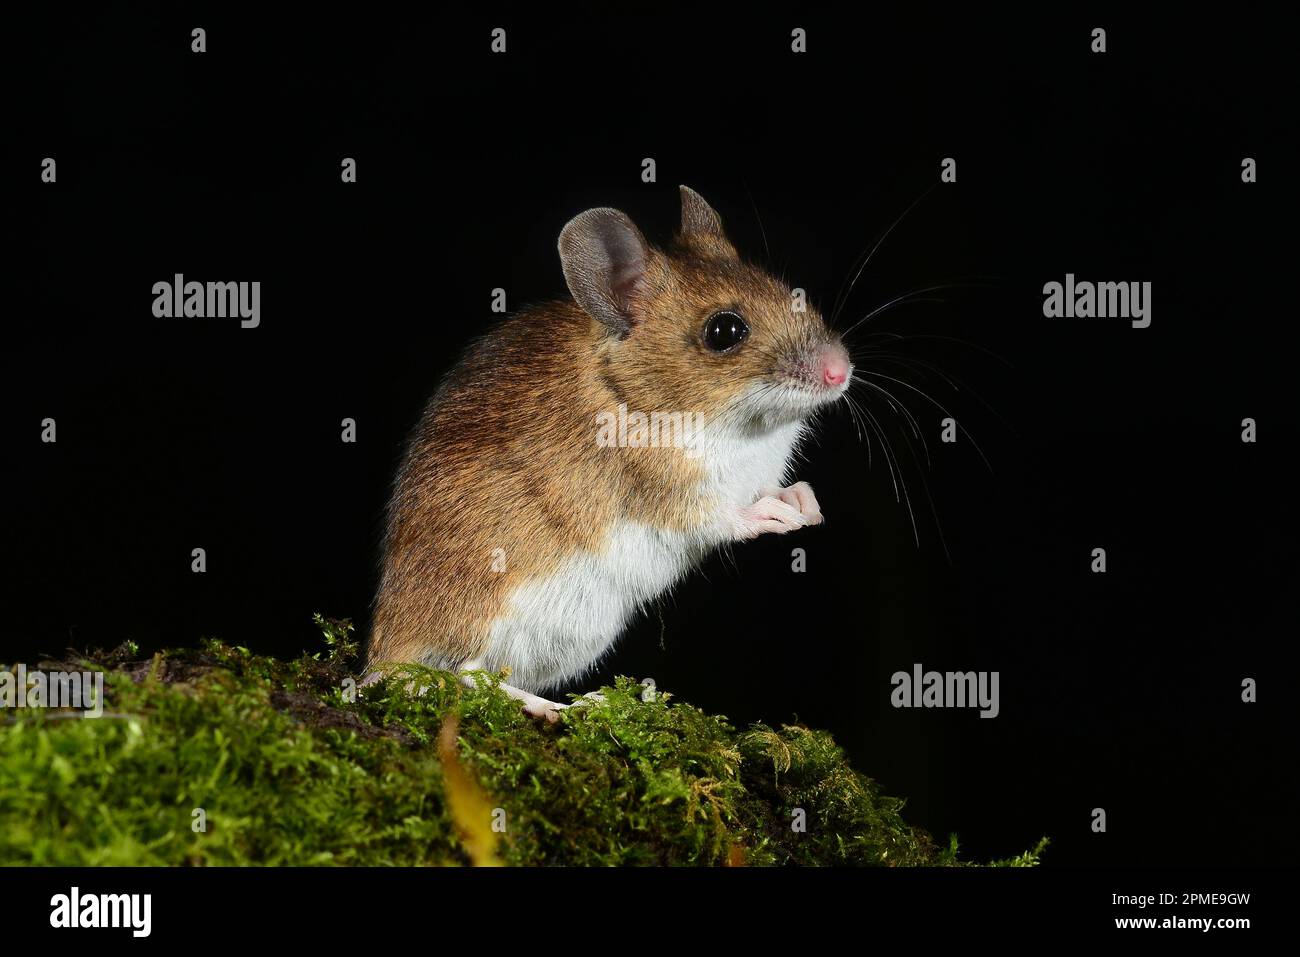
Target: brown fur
505	456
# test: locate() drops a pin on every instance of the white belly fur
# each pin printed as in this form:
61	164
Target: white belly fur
557	628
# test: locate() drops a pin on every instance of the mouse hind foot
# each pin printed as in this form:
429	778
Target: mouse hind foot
535	706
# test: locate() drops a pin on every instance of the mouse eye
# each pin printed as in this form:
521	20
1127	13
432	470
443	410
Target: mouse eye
724	331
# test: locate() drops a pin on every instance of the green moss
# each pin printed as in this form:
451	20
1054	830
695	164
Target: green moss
290	767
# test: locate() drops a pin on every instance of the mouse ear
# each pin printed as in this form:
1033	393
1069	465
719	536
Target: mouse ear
604	257
698	217
701	221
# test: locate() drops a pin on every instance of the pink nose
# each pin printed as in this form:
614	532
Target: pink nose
835	364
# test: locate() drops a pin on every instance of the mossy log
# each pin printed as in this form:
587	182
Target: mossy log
217	756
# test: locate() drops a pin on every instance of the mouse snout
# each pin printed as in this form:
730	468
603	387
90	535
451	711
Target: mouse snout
833	360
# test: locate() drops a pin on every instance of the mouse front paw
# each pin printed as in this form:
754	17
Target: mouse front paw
800	497
768	514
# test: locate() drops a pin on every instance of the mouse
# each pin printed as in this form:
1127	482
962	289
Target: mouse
586	454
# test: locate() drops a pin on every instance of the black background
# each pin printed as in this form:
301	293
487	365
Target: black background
1119	691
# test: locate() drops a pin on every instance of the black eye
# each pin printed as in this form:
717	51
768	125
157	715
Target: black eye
724	331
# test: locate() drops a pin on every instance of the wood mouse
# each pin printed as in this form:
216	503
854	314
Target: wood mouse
518	535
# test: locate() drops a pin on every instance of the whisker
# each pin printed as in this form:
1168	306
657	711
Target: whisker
954	382
907	415
925	486
918	335
940	407
896	468
851	405
767	250
913	364
908	296
842	299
